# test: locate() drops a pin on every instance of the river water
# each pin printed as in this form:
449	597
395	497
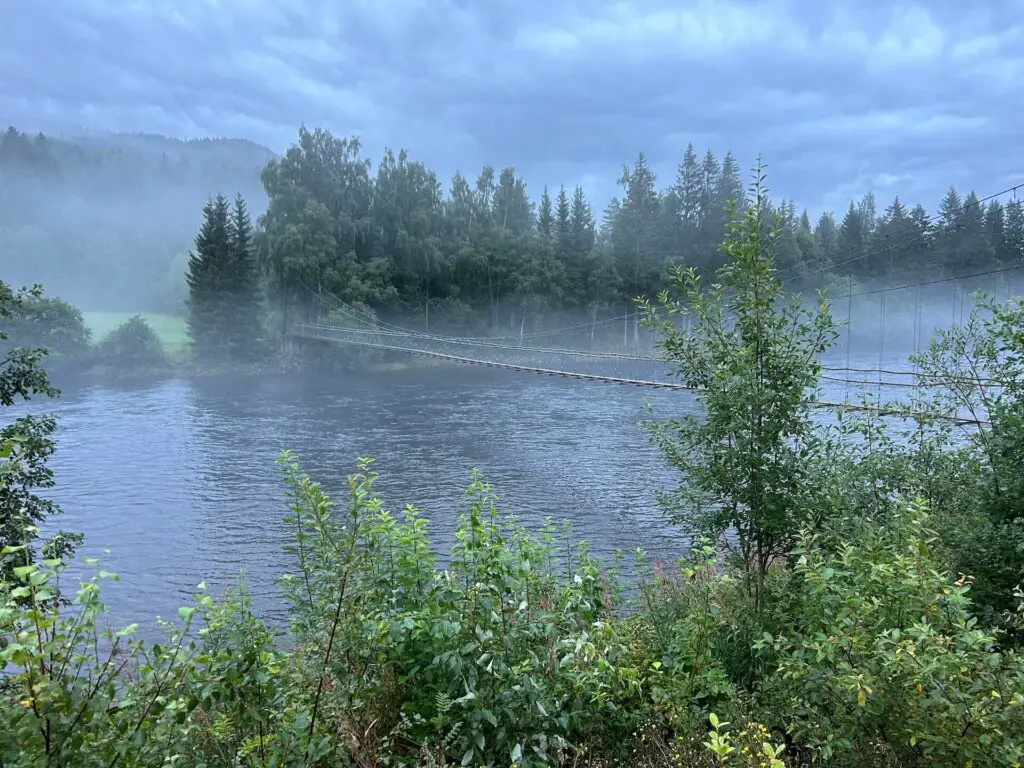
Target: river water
174	482
176	479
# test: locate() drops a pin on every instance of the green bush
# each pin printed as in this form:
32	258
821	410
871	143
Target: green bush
509	655
35	322
488	661
881	655
133	345
494	659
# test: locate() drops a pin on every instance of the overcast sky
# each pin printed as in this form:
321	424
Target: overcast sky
840	96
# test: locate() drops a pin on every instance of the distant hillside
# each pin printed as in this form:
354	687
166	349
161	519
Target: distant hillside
105	220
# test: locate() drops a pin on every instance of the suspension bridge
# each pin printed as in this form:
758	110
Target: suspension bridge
584	352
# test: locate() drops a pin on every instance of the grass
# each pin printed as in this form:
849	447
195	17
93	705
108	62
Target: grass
168	328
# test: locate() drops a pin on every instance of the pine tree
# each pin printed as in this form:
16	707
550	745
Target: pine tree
730	185
611	218
638	262
949	236
892	245
852	241
1013	253
689	185
995	232
924	231
545	216
511	207
975	251
810	253
582	223
242	298
826	237
563	228
208	273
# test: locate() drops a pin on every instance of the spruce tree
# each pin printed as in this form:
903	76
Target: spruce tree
545	216
1013	243
242	298
950	231
563	228
689	186
995	232
209	267
581	222
852	241
826	237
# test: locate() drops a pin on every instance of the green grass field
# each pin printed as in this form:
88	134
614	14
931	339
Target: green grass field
170	329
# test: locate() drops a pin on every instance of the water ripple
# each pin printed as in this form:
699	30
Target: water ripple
177	478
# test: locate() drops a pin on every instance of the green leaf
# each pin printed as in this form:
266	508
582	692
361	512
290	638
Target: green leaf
517	753
21	571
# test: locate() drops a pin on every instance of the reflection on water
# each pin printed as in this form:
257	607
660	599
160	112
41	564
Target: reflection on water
177	478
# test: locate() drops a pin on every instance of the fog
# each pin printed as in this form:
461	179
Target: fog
105	221
884	325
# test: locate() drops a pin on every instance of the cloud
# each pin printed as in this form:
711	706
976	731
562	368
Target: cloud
839	98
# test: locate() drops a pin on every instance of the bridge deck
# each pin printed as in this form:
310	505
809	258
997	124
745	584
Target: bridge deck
364	339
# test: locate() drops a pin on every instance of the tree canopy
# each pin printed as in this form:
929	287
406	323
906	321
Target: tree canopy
395	241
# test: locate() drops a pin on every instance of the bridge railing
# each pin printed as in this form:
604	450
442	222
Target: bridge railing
839	390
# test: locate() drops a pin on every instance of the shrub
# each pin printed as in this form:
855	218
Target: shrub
882	657
972	476
133	345
26	445
47	323
489	661
748	463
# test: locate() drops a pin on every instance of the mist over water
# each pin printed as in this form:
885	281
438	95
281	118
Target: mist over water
177	478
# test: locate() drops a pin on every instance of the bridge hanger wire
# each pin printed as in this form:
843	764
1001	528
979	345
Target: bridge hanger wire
379	337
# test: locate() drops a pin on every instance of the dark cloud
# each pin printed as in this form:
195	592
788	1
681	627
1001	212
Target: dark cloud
839	97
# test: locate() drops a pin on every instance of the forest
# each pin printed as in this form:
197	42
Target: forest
479	252
105	221
394	241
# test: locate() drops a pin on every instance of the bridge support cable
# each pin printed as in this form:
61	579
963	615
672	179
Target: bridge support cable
352	326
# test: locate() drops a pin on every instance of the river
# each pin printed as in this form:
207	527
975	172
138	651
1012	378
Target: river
176	479
174	482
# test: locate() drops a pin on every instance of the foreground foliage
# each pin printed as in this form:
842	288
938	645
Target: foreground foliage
26	444
519	652
745	462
